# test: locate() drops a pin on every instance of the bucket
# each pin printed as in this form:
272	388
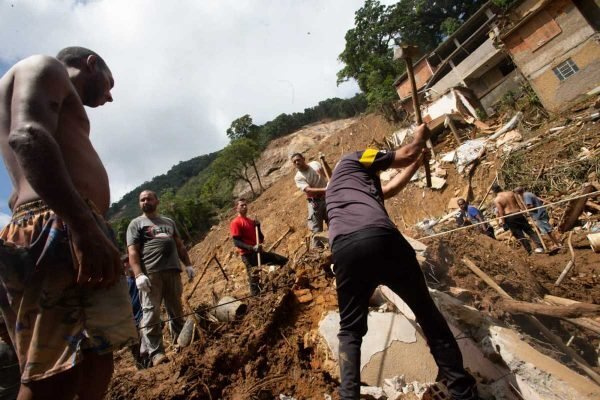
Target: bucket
594	239
229	309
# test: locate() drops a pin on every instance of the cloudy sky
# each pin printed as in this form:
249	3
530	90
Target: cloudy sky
184	69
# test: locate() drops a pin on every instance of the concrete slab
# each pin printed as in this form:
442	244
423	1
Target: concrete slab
384	329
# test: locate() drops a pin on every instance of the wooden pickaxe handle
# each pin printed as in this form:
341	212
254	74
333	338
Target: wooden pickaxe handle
418	119
257	242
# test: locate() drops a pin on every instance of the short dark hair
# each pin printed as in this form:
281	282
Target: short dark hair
496	188
150	191
72	56
239	200
461	200
296	154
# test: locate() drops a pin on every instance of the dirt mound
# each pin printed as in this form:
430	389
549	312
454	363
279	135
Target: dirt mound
270	350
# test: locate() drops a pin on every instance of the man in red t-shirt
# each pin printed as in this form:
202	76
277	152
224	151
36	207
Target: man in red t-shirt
243	233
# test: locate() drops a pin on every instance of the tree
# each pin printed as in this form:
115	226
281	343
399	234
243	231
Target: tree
368	53
242	128
235	161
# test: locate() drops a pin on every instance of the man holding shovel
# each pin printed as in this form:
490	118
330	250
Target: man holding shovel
312	179
248	238
368	250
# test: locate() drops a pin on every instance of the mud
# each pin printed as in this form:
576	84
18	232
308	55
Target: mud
273	350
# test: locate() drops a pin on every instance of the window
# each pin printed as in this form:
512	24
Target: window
565	69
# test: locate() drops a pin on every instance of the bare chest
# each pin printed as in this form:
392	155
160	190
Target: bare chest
81	159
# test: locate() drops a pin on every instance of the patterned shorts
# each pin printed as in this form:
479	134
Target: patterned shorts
51	320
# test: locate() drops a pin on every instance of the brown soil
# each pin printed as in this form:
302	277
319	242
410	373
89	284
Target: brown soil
272	350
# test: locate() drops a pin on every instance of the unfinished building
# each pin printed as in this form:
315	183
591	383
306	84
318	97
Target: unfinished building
556	45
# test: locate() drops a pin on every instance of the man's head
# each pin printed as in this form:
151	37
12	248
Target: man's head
519	190
462	204
496	188
241	206
148	201
298	161
94	75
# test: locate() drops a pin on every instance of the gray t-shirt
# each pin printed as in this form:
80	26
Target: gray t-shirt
310	177
156	238
354	196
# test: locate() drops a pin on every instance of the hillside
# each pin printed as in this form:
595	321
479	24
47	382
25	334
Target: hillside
276	349
174	179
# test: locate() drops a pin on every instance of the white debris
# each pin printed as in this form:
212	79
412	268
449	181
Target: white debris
284	397
508	126
448	157
373	392
468	152
508	138
392	387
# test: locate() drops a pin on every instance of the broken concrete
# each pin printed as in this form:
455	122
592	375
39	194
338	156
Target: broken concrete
384	328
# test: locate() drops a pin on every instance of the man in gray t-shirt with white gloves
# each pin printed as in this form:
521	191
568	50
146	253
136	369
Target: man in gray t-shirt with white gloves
311	178
155	249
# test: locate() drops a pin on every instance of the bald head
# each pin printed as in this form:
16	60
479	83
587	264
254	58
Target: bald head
148	202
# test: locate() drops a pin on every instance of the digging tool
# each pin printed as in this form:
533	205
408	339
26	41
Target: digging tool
530	218
221	268
289	230
322	158
257	242
407	52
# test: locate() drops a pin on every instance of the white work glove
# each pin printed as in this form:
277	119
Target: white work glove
143	283
190	272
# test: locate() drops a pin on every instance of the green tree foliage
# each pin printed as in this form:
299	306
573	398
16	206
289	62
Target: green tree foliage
242	128
368	53
178	175
193	191
237	161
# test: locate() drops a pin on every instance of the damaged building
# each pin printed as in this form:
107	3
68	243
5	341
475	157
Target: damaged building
556	46
551	44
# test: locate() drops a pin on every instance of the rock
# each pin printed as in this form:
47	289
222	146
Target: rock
303	295
372	393
461	294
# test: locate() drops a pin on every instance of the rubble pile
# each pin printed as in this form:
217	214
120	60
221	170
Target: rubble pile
283	346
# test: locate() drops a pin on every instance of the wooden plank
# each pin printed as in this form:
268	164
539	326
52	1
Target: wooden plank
564	311
581	363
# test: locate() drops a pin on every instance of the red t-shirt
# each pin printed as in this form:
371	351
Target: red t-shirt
243	228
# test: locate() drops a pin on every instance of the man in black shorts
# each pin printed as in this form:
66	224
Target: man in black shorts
368	250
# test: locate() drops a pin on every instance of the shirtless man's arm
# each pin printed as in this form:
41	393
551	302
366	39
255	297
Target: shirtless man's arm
40	88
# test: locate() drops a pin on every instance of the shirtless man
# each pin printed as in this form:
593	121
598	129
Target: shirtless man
506	204
66	292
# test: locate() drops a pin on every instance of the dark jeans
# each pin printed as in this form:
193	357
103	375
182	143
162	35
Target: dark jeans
251	261
363	264
519	226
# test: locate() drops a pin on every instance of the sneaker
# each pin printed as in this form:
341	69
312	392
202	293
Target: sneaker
539	250
158	359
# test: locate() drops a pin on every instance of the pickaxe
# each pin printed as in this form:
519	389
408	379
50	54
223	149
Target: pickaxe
407	52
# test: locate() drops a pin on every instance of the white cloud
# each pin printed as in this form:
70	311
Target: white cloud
4	219
185	69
